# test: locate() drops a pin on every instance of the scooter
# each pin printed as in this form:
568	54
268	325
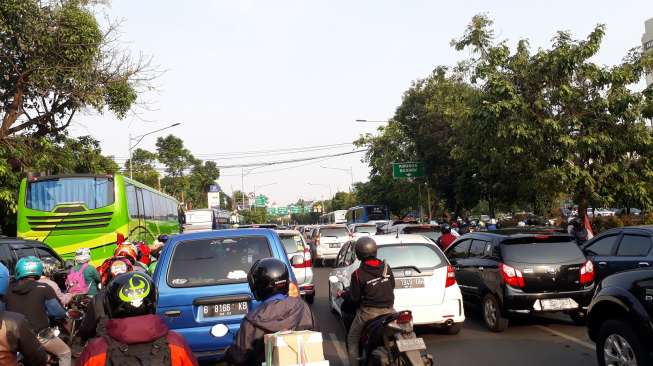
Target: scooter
389	340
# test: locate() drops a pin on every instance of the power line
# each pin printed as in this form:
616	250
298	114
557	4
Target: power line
255	153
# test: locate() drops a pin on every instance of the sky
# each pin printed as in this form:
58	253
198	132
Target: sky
245	75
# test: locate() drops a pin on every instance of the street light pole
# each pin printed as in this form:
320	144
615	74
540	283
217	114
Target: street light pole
350	171
138	140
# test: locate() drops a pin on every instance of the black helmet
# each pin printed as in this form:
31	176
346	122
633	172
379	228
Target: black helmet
445	229
365	248
163	238
267	277
575	222
130	294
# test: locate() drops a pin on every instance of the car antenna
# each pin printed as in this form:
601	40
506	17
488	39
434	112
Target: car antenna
397	231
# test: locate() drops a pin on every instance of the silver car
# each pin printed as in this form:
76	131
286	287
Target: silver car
294	243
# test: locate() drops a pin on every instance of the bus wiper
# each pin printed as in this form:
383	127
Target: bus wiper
404	267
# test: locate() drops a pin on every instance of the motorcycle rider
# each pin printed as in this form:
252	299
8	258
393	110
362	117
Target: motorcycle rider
50	266
94	322
91	275
371	291
17	335
577	230
269	281
38	302
135	334
446	238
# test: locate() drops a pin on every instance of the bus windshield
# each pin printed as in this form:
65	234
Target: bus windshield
92	192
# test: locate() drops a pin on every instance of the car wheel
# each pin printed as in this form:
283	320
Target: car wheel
492	315
618	345
310	298
453	329
578	317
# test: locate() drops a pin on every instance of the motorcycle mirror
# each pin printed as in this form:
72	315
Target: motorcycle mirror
219	330
333	279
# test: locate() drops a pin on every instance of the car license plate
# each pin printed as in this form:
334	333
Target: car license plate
417	282
558	304
334	245
414	344
224	309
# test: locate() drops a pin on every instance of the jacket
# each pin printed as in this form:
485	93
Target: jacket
64	299
137	329
273	315
36	301
16	336
446	240
372	285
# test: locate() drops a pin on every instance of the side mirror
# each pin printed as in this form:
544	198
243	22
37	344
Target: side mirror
333	279
297	260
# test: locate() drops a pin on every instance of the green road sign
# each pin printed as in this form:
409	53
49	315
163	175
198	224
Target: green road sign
296	209
260	201
272	211
308	209
282	210
408	170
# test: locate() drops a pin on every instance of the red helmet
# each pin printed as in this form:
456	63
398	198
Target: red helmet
126	250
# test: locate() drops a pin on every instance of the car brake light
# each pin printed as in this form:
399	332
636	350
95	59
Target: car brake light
307	260
587	273
405	317
512	276
451	277
293	289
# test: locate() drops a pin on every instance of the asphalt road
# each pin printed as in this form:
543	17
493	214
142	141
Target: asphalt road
531	341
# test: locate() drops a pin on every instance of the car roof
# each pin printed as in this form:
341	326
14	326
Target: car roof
389	239
288	232
364	224
332	226
224	233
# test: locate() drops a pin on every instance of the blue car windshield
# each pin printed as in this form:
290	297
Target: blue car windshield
206	262
92	192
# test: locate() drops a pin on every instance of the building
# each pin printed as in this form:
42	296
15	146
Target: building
647	44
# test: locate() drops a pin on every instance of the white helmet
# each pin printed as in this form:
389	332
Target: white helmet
82	255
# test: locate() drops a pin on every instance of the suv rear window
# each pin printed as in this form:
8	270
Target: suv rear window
421	256
334	232
215	261
367	229
542	249
292	243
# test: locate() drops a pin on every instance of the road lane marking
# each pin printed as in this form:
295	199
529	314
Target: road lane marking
567	337
342	355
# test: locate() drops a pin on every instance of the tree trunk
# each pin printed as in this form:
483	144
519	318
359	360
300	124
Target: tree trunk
13	111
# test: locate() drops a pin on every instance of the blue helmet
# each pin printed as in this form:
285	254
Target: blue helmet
4	279
29	267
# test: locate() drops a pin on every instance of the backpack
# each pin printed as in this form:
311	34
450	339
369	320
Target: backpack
140	354
75	282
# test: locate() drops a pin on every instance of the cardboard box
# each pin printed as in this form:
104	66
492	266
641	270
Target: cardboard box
293	348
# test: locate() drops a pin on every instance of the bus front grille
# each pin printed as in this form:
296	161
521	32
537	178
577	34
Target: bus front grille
69	222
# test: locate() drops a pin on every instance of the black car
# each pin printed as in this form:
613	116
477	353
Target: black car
620	319
12	249
522	272
620	249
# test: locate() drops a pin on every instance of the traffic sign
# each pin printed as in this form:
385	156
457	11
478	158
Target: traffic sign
408	170
272	211
296	209
308	209
260	201
282	210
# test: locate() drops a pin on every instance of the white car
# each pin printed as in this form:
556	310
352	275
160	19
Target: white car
294	243
358	230
425	282
326	241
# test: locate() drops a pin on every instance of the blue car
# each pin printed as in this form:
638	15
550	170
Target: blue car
202	283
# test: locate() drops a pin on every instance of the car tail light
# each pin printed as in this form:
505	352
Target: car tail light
451	277
405	317
512	276
293	289
307	260
587	273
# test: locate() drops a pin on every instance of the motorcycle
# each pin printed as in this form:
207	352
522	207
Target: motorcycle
389	340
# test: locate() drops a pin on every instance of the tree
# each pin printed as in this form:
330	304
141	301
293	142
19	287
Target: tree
202	176
142	167
177	160
55	61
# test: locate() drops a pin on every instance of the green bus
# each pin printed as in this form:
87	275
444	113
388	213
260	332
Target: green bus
68	212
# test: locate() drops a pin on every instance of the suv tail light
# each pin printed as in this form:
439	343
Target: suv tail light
307	260
451	277
587	273
404	317
512	276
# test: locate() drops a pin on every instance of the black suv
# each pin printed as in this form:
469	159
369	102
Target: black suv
12	249
620	319
522	272
620	249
